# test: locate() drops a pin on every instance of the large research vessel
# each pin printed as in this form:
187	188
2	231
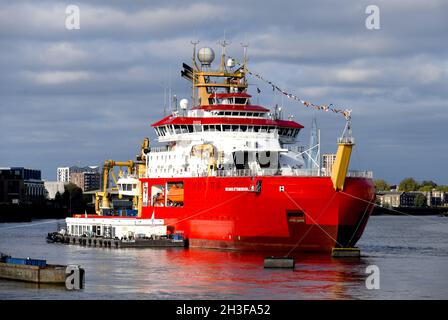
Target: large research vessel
228	174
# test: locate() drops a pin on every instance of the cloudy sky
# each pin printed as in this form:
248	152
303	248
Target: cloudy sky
82	96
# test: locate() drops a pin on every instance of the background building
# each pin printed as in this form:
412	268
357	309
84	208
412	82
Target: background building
436	198
328	161
87	181
63	174
76	169
397	199
389	198
313	153
53	187
12	187
19	184
74	174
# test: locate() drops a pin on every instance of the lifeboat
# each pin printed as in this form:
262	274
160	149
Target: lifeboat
175	195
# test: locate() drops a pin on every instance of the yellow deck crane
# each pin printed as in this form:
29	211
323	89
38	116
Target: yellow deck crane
137	168
340	166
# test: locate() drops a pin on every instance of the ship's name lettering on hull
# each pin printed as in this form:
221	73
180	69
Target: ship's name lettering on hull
236	189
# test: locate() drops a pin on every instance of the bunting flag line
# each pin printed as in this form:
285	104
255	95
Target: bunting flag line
345	112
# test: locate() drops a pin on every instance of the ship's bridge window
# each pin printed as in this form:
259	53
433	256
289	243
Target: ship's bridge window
289	132
161	131
241	101
124	187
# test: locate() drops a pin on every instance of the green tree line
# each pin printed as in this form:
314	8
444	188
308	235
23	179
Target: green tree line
410	184
72	199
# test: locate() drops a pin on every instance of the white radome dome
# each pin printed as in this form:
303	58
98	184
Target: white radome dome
206	55
230	63
183	104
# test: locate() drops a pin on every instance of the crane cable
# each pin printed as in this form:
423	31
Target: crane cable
312	220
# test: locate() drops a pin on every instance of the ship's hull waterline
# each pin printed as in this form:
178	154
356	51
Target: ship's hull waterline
284	214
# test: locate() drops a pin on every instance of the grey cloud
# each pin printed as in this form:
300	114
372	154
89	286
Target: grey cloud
91	94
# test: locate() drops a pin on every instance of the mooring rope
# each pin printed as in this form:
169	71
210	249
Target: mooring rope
27	225
208	209
308	231
315	223
360	221
390	209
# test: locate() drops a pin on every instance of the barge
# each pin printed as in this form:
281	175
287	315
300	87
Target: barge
32	270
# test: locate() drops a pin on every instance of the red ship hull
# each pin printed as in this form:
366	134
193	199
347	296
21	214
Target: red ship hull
285	214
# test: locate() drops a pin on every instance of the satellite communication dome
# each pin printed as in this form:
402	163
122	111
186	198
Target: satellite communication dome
206	55
183	104
230	63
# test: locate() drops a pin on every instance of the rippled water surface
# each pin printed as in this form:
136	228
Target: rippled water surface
411	253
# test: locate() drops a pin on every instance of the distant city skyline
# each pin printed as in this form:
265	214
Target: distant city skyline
72	97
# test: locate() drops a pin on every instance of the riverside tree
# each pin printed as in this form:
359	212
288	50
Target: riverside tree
381	185
427	185
408	184
73	198
420	201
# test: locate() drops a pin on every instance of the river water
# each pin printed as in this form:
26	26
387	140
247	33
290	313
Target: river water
410	252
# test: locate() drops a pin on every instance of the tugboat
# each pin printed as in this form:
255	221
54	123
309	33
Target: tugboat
230	175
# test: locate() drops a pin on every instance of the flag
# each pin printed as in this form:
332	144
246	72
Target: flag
153	216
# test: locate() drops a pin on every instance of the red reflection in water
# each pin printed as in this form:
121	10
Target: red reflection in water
201	272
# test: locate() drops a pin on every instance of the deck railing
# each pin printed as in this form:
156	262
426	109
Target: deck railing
280	172
159	149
